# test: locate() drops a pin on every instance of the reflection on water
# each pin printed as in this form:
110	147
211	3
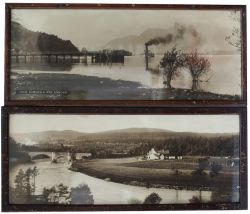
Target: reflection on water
224	77
51	67
104	192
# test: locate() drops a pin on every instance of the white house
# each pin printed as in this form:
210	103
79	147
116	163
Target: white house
152	155
162	156
171	157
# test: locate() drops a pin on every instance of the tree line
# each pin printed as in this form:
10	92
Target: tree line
177	145
215	146
24	191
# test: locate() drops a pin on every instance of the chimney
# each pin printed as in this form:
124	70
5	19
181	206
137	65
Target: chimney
146	56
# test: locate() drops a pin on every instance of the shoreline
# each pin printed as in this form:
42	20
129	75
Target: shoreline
56	86
142	184
127	175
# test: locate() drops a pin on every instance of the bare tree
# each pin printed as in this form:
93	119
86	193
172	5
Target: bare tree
171	61
34	174
197	65
234	38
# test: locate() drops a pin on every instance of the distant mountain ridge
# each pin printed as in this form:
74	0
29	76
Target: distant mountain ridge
27	41
136	130
130	133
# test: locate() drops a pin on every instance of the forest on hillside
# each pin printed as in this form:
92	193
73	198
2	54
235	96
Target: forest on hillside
227	145
27	41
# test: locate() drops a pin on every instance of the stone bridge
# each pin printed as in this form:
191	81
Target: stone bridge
53	156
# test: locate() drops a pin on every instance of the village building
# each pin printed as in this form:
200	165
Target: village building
161	155
152	155
164	154
171	157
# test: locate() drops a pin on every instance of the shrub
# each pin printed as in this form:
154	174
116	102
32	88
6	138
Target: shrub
195	200
81	195
153	198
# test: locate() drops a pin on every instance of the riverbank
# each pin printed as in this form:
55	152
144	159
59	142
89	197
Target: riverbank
160	175
104	192
58	86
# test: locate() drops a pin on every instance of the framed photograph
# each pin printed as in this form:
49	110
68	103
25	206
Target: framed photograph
151	55
65	159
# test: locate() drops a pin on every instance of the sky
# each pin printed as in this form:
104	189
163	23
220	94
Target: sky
94	28
26	123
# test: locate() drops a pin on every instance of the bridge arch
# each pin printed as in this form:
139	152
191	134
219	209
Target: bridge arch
40	156
49	155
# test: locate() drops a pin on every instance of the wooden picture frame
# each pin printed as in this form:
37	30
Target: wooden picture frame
73	111
134	102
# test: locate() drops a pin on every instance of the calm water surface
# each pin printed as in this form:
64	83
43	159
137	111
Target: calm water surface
104	192
223	78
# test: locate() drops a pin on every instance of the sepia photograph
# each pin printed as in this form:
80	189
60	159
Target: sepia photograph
85	159
125	54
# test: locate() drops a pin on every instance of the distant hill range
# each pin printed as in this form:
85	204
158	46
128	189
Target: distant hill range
27	41
183	37
123	135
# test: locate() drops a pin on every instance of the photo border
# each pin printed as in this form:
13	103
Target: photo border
132	103
6	111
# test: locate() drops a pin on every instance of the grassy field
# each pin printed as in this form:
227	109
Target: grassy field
79	87
185	165
161	173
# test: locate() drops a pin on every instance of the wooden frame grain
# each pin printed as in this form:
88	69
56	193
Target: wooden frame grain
132	103
6	111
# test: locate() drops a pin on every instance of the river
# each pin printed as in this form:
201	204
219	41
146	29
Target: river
104	192
224	76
